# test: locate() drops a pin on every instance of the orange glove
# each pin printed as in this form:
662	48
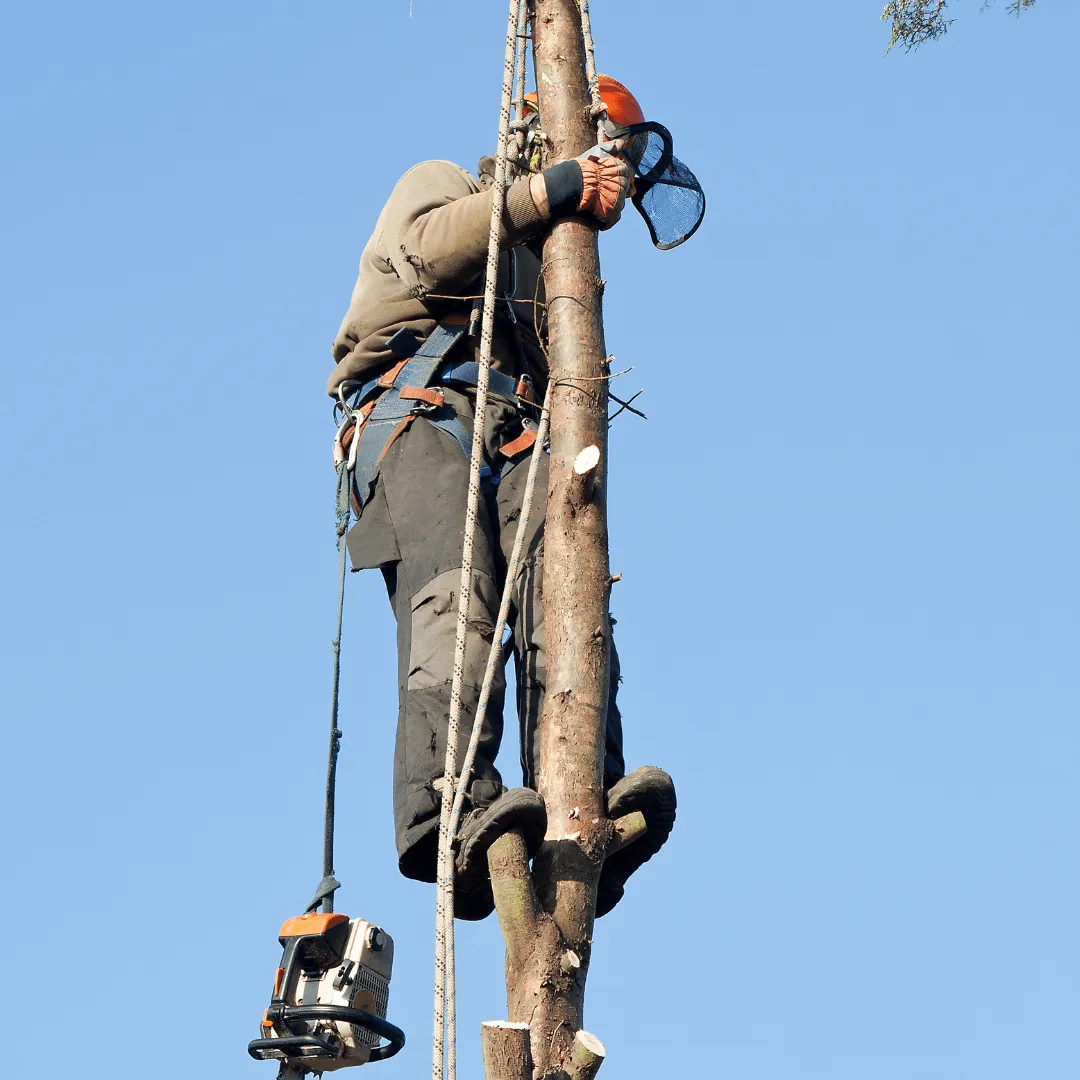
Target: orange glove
596	183
605	183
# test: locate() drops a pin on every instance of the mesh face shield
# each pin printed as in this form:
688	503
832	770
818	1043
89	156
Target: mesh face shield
668	195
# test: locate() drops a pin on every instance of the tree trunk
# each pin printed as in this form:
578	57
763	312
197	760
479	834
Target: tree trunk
547	916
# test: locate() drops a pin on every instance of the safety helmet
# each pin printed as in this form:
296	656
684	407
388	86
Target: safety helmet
622	107
666	193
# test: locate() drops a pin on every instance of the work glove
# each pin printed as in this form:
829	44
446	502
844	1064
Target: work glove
595	183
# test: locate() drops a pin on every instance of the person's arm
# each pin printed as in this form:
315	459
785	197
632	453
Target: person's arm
436	225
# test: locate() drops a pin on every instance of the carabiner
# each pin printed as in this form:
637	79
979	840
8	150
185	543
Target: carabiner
339	438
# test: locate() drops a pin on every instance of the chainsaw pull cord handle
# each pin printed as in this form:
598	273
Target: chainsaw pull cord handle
324	894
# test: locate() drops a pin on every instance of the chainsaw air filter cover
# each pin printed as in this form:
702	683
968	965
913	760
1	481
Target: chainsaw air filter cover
331	992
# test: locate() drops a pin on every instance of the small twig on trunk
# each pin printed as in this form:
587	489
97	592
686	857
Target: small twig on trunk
507	1053
626	405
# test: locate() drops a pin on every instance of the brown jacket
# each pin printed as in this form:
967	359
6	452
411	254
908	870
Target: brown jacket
431	238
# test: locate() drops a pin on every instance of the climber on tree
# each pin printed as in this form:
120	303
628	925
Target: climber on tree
406	369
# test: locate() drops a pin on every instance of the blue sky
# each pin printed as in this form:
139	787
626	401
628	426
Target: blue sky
847	532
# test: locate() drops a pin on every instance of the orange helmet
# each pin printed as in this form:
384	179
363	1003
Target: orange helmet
622	107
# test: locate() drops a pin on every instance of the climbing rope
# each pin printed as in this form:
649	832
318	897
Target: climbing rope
444	1051
444	1058
597	110
519	124
494	661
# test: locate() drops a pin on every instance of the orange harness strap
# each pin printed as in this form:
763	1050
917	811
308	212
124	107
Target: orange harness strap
521	443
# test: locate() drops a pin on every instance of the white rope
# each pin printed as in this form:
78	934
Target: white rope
495	659
444	1051
495	655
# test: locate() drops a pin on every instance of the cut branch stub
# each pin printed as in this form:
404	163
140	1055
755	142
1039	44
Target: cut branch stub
586	1057
583	478
627	829
515	900
507	1053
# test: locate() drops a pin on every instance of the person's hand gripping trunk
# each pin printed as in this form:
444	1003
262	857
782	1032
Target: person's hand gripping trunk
596	183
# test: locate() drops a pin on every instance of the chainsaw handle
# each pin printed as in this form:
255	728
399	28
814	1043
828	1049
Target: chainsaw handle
394	1036
294	1046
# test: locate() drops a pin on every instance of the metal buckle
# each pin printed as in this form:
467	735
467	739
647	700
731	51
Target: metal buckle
525	403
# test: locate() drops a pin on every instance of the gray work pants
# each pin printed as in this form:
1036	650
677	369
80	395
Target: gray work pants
412	529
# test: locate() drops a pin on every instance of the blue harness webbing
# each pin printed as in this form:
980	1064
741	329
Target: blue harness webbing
392	412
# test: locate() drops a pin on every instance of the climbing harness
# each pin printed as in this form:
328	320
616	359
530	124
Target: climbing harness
379	411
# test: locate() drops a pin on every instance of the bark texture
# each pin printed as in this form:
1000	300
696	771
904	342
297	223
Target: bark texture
547	916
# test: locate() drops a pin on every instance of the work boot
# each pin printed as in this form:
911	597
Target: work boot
651	791
520	808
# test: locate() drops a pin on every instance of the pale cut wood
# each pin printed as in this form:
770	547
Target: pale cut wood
507	1055
569	962
588	459
586	1057
583	481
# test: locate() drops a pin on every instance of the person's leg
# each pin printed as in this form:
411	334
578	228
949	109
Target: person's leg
530	655
412	528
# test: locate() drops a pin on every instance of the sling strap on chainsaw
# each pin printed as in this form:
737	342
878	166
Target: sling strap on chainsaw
378	412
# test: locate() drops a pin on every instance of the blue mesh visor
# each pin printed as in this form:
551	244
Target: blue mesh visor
668	195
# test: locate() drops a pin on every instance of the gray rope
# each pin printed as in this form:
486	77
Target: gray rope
325	891
590	70
444	1050
519	90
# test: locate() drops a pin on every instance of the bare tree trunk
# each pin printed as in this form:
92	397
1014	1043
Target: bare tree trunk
547	915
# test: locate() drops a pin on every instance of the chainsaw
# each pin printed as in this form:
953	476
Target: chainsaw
328	1008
